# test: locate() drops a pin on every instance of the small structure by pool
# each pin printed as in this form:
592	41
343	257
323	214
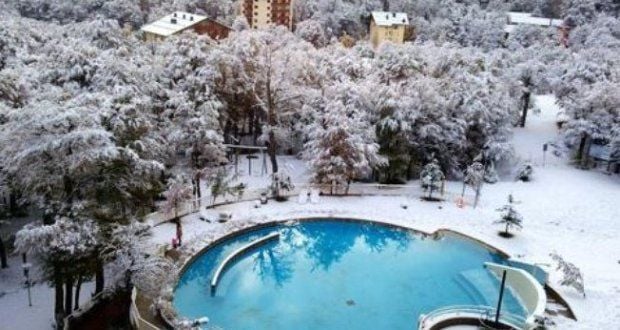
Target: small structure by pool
335	274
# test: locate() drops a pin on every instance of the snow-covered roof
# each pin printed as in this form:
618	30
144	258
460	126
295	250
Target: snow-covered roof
384	18
527	18
173	23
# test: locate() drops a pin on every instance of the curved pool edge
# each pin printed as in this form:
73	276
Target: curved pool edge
278	222
275	223
235	254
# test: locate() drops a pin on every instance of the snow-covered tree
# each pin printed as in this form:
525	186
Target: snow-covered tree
222	184
432	178
338	151
312	32
510	217
474	177
179	191
571	274
66	250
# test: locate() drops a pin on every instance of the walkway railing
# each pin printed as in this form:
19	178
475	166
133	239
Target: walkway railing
526	287
482	313
134	315
355	189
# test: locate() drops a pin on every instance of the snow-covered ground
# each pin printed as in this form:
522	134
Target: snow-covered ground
15	314
566	210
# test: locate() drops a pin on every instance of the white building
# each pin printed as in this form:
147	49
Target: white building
172	24
515	18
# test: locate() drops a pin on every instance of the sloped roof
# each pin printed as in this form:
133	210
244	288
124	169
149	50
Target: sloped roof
384	18
527	18
165	26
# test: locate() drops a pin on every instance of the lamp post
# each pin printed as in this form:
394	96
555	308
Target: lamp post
26	267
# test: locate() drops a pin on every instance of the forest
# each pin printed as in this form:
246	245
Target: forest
96	124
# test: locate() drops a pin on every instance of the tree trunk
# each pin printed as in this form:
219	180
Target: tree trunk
526	106
198	190
69	294
506	230
477	195
59	311
463	191
99	277
78	287
582	152
272	152
386	5
12	202
3	260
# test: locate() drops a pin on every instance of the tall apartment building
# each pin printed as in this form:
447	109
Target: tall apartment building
264	13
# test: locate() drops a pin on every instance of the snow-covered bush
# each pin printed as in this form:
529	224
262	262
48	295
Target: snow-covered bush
571	274
280	181
525	172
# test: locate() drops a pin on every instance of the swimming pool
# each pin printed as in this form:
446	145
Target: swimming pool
335	274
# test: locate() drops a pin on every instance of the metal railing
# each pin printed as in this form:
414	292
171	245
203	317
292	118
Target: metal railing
355	189
134	315
482	313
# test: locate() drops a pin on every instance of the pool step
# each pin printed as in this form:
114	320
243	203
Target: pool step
481	285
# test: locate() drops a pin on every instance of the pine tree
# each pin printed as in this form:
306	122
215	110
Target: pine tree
509	217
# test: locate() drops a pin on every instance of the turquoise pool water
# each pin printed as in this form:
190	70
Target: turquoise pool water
332	274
